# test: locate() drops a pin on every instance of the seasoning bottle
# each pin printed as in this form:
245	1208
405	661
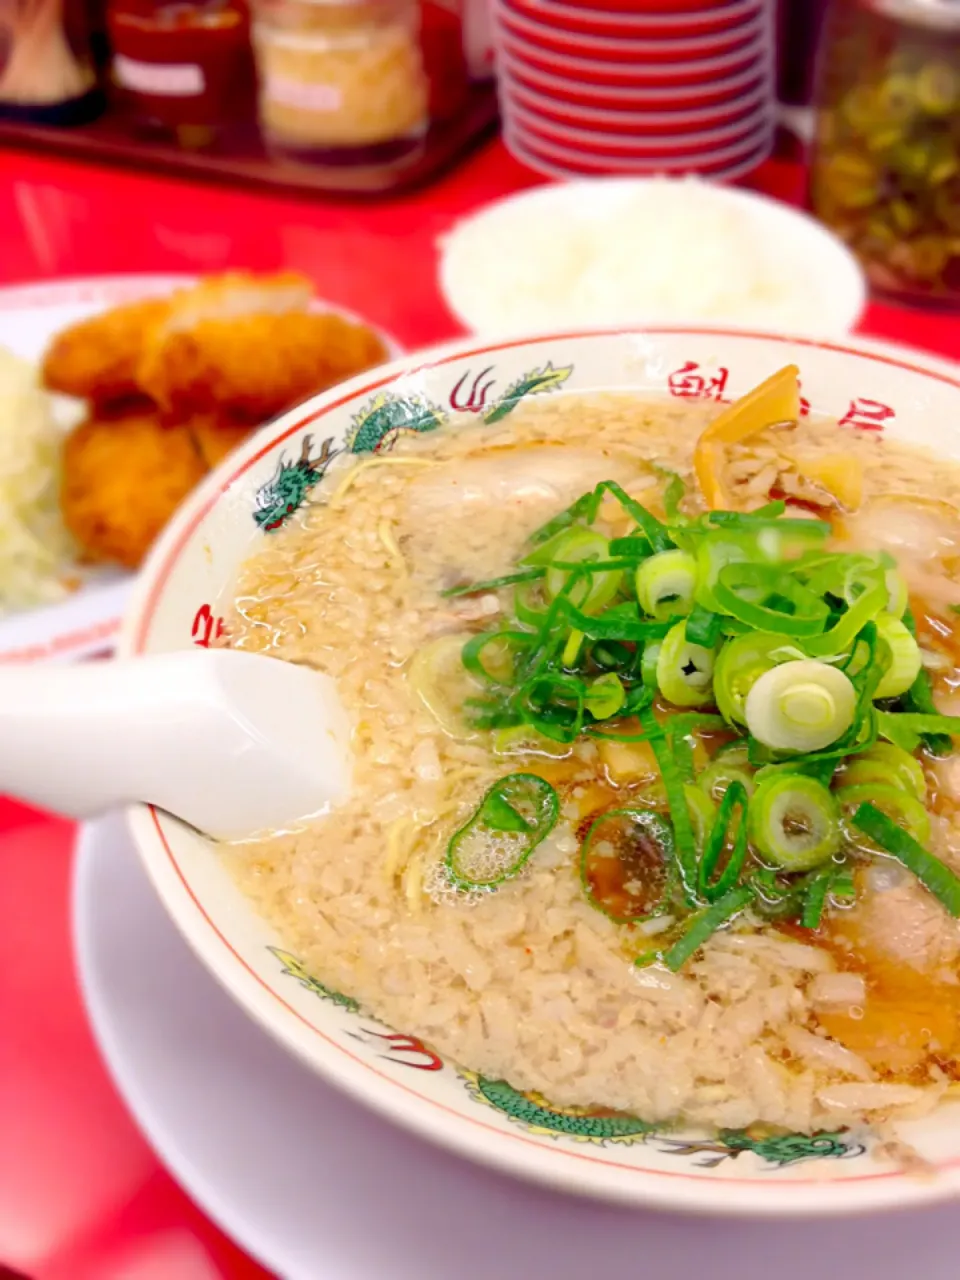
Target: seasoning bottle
46	68
183	70
885	172
341	81
444	60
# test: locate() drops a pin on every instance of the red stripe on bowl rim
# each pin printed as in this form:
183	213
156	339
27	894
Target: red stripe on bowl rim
630	24
623	49
709	160
689	121
653	143
565	167
757	57
569	88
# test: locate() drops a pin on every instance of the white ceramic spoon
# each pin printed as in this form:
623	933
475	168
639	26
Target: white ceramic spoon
233	743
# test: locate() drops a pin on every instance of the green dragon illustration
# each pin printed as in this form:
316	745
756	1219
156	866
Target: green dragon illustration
780	1149
296	969
378	426
603	1126
586	1125
285	492
530	384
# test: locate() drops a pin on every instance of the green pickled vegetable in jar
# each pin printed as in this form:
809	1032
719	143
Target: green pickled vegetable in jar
885	173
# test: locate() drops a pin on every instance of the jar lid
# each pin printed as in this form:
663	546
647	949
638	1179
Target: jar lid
942	15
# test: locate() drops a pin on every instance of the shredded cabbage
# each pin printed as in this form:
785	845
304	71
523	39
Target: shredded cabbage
35	548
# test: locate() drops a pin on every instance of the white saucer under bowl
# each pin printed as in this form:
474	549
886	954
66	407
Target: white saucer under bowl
318	1188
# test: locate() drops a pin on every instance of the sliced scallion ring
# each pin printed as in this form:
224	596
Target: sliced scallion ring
794	822
902	654
576	546
684	670
493	845
741	662
648	663
888	765
702	813
529	604
605	696
665	584
800	706
627	864
721	772
901	806
767	597
897	594
716	551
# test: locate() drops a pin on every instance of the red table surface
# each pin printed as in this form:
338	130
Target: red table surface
81	1194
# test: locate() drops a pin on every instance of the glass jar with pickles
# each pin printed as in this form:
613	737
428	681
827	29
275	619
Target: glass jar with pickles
885	172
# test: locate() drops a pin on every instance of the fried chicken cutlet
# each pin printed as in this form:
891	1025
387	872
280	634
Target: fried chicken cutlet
123	477
254	367
215	438
97	359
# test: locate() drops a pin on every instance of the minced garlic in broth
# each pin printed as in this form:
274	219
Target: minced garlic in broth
530	983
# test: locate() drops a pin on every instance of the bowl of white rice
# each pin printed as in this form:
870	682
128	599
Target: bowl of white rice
625	251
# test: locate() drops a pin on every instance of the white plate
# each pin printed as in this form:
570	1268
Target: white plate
318	1188
30	315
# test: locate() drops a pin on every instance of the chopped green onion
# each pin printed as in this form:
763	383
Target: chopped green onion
734	798
665	584
901	806
571	650
622	622
656	533
493	584
704	627
702	811
815	898
766	597
747	519
672	495
929	870
721	772
918	700
605	696
517	813
684	670
715	552
676	800
794	821
705	924
502	664
635	547
907	729
897	595
576	547
576	511
838	639
554	705
800	706
889	765
843	887
741	662
529	604
627	864
902	654
648	664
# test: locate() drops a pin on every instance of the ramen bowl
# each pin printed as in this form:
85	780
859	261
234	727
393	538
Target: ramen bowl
470	385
